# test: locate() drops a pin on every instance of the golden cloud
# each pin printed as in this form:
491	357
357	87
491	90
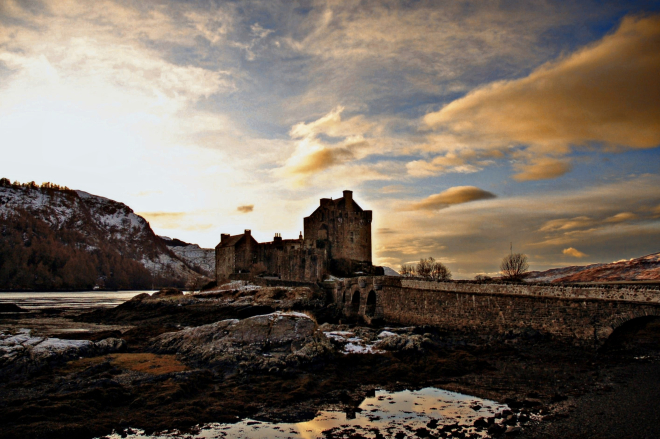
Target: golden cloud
541	169
454	195
606	94
573	252
246	209
621	217
173	220
578	222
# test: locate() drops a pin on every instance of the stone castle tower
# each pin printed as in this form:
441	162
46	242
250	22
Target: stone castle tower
337	234
341	227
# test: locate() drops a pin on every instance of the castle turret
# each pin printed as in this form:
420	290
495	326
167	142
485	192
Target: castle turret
348	200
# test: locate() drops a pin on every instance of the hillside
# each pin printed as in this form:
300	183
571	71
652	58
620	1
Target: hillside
57	238
645	268
201	258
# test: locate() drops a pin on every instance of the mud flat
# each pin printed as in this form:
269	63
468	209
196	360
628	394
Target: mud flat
182	362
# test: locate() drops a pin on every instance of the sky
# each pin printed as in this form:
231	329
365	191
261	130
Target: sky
466	127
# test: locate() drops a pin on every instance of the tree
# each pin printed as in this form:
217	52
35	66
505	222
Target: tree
407	270
514	266
439	271
432	269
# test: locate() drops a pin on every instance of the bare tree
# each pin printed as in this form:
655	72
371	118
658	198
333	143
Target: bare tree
439	271
423	268
514	266
432	269
407	270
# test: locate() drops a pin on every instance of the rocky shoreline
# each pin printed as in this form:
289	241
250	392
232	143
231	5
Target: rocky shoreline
281	354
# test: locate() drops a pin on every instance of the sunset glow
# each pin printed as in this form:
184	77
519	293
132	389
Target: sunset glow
466	127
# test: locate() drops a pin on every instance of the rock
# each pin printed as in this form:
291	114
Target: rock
24	353
402	342
11	307
141	297
270	342
481	422
496	430
167	292
513	431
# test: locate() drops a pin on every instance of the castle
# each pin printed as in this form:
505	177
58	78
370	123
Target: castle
337	240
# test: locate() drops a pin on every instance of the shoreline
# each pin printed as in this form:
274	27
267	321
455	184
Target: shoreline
541	378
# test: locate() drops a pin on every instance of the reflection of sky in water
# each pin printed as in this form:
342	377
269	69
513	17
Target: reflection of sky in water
72	300
389	412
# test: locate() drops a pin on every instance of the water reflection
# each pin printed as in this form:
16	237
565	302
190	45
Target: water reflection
69	300
389	414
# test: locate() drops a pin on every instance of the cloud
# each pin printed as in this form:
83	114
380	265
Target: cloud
621	217
463	162
245	209
174	220
454	195
541	169
606	95
579	222
573	252
334	142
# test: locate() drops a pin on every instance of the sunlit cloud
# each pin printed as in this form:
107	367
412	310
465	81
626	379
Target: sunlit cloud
451	196
579	222
621	217
573	252
245	209
192	111
605	94
174	220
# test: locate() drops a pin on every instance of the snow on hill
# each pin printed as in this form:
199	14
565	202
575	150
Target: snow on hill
390	271
557	273
203	258
645	268
102	222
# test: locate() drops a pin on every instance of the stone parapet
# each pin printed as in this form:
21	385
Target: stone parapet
626	294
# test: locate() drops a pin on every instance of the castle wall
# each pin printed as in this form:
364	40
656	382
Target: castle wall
224	262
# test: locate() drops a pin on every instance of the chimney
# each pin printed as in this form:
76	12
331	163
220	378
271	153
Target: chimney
348	200
224	237
300	237
278	237
248	232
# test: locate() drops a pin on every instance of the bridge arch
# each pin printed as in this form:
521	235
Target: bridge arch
639	332
355	303
618	320
370	309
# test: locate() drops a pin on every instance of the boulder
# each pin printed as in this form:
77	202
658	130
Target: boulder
11	307
271	342
24	353
167	292
402	342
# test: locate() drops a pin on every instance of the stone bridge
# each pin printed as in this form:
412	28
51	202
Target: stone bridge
586	314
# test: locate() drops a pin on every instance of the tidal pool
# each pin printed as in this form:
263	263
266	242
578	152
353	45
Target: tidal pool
387	414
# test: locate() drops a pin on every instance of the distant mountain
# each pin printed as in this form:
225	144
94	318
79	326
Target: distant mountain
557	273
194	255
644	268
56	238
390	271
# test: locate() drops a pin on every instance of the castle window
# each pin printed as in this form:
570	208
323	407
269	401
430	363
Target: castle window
352	236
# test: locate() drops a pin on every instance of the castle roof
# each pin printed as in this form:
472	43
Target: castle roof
340	203
231	241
